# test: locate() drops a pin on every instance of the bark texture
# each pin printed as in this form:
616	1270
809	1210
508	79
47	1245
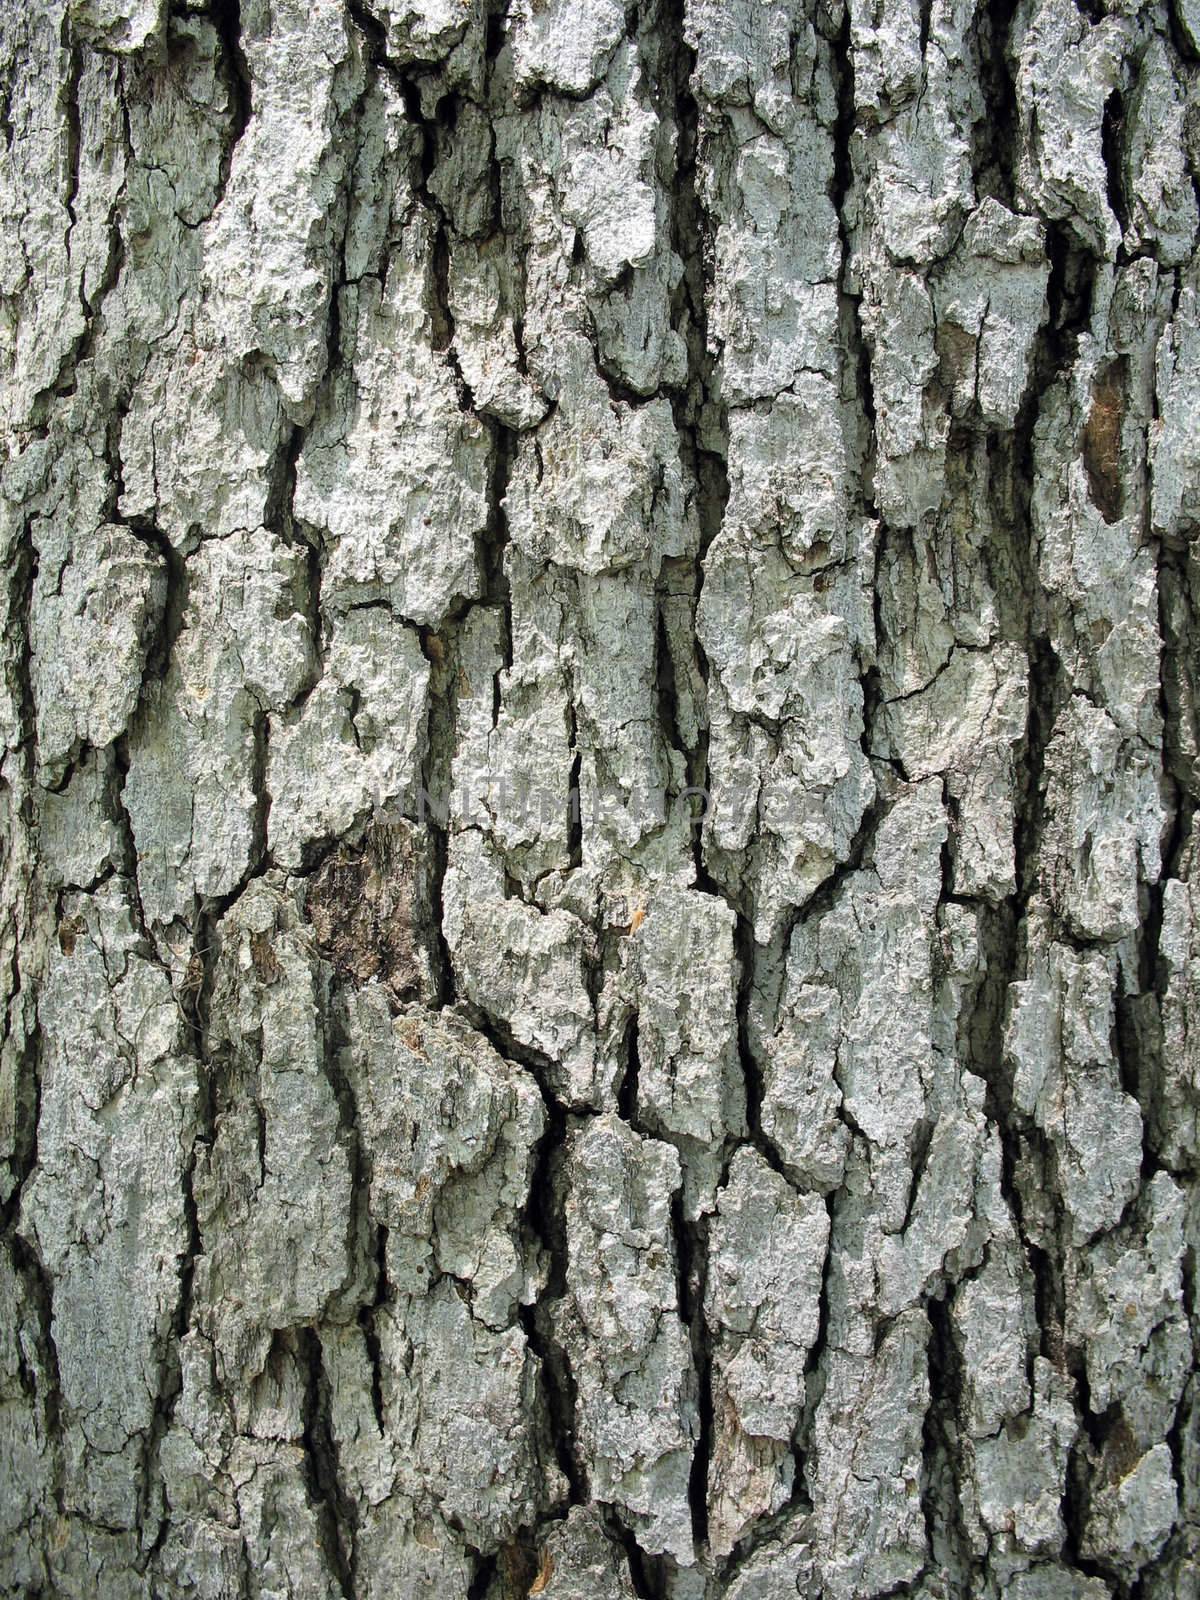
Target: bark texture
599	943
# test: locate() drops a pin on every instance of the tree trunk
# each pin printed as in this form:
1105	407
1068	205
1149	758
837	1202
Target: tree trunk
601	973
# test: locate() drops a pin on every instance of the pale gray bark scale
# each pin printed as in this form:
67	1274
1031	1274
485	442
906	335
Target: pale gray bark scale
598	690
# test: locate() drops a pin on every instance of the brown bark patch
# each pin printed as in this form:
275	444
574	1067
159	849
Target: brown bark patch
365	905
263	958
958	352
1102	440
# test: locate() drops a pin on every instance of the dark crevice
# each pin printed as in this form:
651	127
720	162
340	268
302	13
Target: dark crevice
948	1538
628	1091
25	1111
375	35
995	135
436	781
1180	33
814	1366
486	1571
83	346
435	132
71	119
574	797
174	610
38	1285
666	691
700	416
439	259
25	1084
1024	1149
1136	1041
620	391
1029	1178
129	870
1013	555
799	1502
7	131
261	732
171	1375
856	352
545	1226
193	991
922	1140
691	1268
335	1041
1081	1461
747	955
1047	693
649	1576
279	508
227	20
335	1511
1112	130
21	575
1069	295
1139	1014
367	1318
497	591
544	1229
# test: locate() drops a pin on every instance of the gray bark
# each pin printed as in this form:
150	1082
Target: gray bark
600	953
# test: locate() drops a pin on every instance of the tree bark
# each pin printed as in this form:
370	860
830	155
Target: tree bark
600	952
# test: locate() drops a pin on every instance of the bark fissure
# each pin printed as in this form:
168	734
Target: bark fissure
597	941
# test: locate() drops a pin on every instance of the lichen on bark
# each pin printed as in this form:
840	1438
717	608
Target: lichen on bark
599	948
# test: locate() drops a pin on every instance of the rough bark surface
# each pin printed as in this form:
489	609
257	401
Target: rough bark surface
599	934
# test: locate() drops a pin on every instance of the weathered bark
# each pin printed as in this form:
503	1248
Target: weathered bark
600	953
